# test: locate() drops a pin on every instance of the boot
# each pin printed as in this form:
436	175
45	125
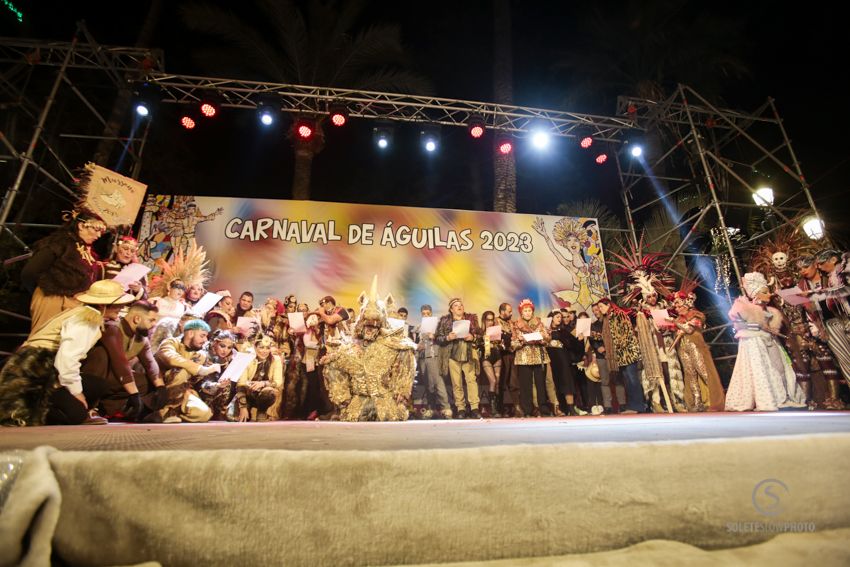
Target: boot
833	402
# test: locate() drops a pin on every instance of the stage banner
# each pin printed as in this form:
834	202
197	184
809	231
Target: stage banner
312	249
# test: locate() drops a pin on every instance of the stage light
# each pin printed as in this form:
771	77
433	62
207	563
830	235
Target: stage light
383	135
505	146
763	196
540	139
266	118
814	228
475	127
187	122
586	142
636	151
430	137
210	108
146	97
339	115
304	129
601	158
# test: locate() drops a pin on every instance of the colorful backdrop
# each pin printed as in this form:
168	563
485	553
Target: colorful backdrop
312	249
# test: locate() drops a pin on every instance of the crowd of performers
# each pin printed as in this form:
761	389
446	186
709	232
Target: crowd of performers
100	351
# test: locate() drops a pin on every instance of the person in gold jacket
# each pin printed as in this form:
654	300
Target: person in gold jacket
259	390
182	363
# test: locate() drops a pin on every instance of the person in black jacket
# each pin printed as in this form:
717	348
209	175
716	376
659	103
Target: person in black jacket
561	349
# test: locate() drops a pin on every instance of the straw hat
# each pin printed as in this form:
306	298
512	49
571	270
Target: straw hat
105	292
592	372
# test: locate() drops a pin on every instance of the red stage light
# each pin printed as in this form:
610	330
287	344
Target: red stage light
338	119
476	131
586	142
601	158
187	122
304	131
209	110
505	147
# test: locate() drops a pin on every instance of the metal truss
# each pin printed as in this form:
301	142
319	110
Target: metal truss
726	156
184	89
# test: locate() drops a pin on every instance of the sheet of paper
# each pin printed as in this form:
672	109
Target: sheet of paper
296	322
131	273
310	341
461	328
237	366
582	328
792	296
247	323
204	304
529	337
429	325
547	322
494	333
396	323
660	316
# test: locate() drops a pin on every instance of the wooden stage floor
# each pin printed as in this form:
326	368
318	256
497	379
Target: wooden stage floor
455	434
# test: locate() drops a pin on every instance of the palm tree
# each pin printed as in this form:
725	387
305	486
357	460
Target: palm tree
504	165
314	43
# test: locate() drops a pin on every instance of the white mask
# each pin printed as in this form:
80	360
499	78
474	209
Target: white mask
780	260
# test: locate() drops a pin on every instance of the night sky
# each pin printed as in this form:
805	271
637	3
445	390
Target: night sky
794	54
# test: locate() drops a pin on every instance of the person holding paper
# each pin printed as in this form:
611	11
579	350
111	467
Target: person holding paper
331	320
508	376
490	353
215	390
183	361
460	356
260	388
560	348
432	393
529	341
125	252
763	378
597	345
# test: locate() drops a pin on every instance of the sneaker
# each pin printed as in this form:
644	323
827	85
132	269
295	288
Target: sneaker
446	414
172	419
461	414
475	414
95	419
596	410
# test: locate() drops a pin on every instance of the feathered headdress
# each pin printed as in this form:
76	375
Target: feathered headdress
787	239
642	273
687	291
190	268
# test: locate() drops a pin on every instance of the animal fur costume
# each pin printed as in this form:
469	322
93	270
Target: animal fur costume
372	378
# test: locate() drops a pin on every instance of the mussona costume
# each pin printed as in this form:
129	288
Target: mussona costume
703	389
371	379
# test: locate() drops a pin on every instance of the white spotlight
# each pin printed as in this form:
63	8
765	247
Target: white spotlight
637	151
266	118
763	196
430	145
383	143
540	139
813	227
142	109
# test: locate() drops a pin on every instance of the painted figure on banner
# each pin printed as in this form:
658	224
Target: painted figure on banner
575	245
173	222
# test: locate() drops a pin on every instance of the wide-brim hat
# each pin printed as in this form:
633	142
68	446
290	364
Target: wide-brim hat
105	292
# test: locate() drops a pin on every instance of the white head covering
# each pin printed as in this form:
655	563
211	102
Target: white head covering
753	282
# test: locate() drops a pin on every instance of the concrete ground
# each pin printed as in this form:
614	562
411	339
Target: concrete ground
316	435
